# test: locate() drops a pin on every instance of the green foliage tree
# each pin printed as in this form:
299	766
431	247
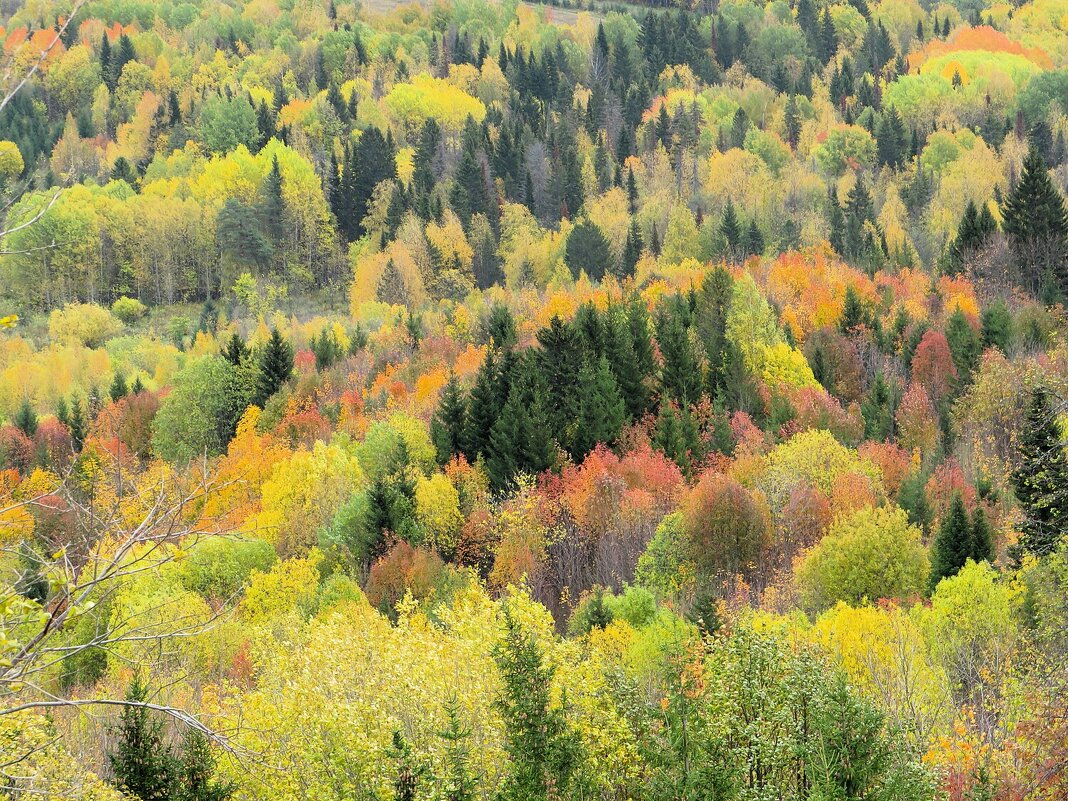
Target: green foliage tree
545	753
1041	477
275	367
1034	219
142	762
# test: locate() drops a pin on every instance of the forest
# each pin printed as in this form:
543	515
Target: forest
482	400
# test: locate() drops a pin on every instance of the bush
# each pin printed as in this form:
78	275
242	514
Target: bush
129	310
868	555
83	324
219	567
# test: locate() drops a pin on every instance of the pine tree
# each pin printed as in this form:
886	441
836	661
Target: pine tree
197	772
118	390
952	545
142	763
448	426
25	419
138	386
560	359
981	546
235	350
1034	219
1041	478
853	316
545	754
275	367
877	410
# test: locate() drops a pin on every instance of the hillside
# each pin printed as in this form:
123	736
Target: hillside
517	402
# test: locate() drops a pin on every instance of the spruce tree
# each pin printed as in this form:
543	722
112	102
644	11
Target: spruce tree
448	426
602	412
680	377
1034	219
713	305
272	208
118	389
965	347
235	350
731	230
275	367
632	251
1041	479
981	546
25	419
142	762
457	783
588	250
753	244
77	424
952	545
107	66
545	753
198	771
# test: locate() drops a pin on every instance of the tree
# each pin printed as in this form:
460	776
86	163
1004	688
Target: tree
448	426
727	529
680	376
952	545
118	389
588	250
275	367
372	161
25	419
197	772
235	350
601	408
1034	219
731	230
142	762
1041	477
200	414
869	554
457	784
545	754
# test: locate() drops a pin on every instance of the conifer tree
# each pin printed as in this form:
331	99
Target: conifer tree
118	389
235	350
458	783
198	771
77	424
753	244
680	377
272	208
275	367
713	304
731	230
588	250
107	67
484	407
793	118
448	426
142	762
952	545
545	753
602	412
391	286
1034	219
1041	478
25	419
632	251
964	345
981	547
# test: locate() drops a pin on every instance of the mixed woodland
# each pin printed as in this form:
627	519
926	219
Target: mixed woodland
660	401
